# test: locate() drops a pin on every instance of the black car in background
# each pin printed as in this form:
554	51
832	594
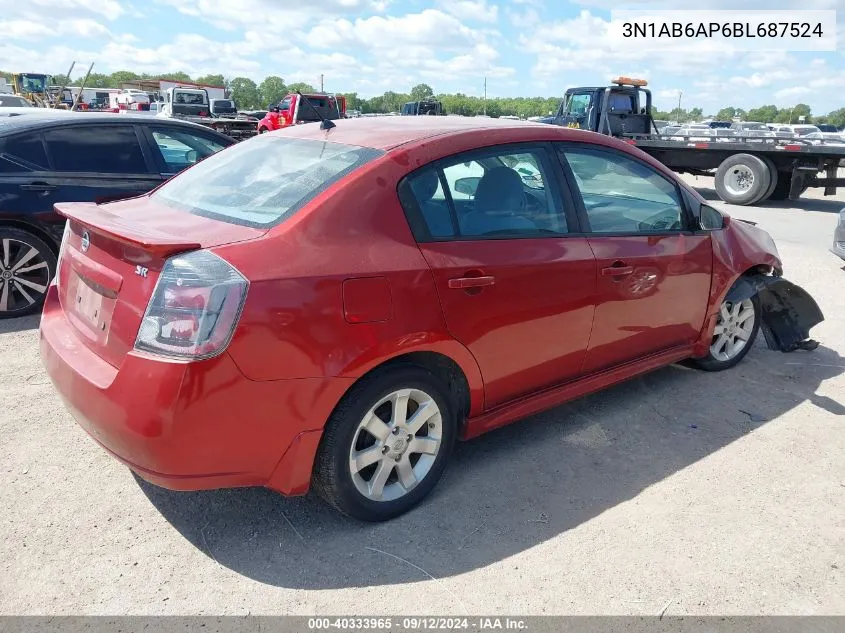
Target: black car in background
85	157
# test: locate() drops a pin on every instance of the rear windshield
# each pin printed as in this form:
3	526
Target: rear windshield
262	181
326	106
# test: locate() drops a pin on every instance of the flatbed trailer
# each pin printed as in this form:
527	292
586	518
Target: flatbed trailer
238	128
791	165
747	169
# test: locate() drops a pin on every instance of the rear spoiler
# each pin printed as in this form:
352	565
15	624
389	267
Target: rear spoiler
123	230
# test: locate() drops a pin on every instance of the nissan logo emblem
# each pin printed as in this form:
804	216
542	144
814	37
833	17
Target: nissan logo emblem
86	241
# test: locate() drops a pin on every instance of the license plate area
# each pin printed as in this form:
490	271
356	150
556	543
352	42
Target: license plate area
91	307
88	304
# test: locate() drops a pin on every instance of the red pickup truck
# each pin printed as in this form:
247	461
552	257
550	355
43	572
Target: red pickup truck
292	110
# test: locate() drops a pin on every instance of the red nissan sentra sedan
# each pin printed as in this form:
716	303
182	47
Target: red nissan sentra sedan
338	306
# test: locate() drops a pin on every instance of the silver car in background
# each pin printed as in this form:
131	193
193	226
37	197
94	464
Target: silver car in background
839	236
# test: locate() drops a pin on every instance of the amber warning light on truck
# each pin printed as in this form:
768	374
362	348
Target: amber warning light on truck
712	31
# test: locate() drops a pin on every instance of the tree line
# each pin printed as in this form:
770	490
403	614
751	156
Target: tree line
249	95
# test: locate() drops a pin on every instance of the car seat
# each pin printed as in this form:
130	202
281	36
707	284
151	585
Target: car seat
499	199
435	212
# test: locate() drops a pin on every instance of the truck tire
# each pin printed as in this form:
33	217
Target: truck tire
773	177
781	190
742	179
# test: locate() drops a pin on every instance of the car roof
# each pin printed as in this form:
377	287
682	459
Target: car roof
59	118
385	133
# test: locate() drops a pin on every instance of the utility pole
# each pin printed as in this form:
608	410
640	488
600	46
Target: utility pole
485	95
321	82
680	94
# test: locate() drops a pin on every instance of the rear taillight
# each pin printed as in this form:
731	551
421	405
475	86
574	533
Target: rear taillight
194	308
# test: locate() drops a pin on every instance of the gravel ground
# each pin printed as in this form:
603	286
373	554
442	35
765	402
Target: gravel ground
703	493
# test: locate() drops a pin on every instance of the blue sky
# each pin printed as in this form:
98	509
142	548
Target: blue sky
523	47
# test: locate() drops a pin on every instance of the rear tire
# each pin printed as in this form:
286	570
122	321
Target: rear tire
262	130
781	190
733	336
386	444
773	178
27	266
742	179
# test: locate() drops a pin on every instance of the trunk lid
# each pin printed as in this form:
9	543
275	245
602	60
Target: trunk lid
111	258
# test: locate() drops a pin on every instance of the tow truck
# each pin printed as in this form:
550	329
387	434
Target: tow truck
748	169
192	104
424	107
292	111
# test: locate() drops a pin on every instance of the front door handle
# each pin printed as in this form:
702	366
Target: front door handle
471	282
618	269
38	186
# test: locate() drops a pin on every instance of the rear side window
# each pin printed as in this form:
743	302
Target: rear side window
107	149
262	181
22	152
501	193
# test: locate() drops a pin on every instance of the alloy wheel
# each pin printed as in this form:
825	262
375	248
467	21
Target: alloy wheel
24	275
734	328
395	445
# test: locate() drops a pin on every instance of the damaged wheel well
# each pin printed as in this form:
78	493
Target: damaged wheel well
788	311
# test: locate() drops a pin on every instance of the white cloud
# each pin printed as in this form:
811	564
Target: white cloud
275	16
430	28
471	10
789	93
523	19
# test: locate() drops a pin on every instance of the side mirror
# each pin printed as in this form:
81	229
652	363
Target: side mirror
191	156
710	219
468	185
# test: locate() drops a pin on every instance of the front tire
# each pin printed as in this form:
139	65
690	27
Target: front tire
386	444
733	336
27	266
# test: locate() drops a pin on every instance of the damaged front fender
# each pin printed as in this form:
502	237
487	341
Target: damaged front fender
788	311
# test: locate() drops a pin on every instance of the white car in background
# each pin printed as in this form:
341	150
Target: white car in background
14	101
32	111
826	138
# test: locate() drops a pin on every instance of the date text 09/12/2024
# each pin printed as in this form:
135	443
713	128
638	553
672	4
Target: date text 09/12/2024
416	623
678	30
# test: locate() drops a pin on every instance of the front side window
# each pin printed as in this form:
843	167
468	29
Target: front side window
622	195
578	104
106	149
262	181
495	194
180	149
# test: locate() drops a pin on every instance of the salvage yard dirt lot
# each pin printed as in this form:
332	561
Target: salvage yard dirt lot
703	493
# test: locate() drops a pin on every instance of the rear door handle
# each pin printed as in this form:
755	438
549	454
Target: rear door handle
471	282
618	269
38	186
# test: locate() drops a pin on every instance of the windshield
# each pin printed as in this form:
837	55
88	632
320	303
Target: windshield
262	181
13	101
34	83
190	98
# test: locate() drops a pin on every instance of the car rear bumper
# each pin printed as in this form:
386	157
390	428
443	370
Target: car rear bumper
190	426
838	248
